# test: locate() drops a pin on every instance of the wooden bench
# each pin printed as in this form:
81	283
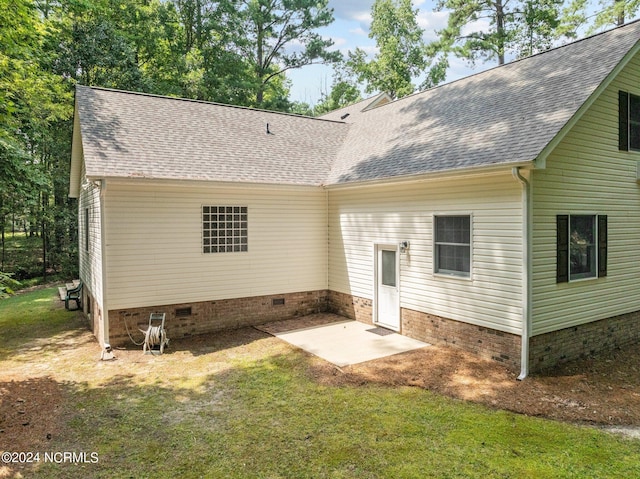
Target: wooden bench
71	292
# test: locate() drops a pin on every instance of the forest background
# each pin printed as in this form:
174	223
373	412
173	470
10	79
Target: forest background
236	52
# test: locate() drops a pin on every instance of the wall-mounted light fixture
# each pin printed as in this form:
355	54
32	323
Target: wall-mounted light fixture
404	246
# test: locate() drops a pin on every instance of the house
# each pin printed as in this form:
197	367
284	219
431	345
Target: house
499	213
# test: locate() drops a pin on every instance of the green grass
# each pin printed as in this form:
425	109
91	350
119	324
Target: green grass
253	410
27	317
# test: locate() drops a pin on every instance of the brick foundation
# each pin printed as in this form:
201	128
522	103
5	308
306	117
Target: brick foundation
352	307
548	350
211	316
485	342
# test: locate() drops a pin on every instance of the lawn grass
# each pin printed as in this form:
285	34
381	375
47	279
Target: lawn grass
26	317
249	408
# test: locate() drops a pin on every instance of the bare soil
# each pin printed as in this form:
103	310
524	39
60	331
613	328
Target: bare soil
37	389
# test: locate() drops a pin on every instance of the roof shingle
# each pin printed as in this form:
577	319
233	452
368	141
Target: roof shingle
504	115
135	135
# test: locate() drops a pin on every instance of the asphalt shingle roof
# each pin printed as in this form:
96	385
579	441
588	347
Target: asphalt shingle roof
506	115
135	135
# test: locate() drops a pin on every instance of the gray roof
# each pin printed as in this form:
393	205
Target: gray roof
506	115
144	136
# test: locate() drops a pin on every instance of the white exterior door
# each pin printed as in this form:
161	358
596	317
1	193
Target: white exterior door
387	294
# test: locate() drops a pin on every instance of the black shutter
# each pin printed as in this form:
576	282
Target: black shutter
562	251
623	120
602	246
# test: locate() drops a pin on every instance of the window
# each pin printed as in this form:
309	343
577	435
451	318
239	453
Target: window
183	312
581	247
453	245
629	121
224	229
388	267
86	229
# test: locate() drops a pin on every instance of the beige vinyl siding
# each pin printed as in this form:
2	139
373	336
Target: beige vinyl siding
362	217
155	253
586	174
90	259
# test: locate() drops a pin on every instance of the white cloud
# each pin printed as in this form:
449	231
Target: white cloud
431	22
350	9
459	68
478	26
337	41
359	31
364	19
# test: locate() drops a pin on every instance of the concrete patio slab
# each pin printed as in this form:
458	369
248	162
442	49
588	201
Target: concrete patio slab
349	342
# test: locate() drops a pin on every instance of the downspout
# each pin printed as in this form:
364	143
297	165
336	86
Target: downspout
327	305
526	272
102	184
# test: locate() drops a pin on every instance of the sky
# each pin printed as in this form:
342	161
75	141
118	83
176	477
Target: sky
350	30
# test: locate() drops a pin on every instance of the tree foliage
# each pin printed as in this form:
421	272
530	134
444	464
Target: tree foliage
616	12
343	93
269	27
7	284
489	30
402	55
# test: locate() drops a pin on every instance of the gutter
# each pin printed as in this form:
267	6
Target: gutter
425	176
526	271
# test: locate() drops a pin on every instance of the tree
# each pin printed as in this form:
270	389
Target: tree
540	20
269	29
402	55
615	12
33	99
343	93
517	27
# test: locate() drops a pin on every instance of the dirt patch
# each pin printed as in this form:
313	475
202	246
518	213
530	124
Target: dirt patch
30	412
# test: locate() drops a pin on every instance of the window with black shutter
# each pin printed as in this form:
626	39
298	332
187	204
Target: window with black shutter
628	121
581	247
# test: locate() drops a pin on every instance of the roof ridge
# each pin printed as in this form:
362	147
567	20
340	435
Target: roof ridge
205	102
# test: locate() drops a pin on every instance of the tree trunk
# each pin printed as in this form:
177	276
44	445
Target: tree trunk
620	16
259	66
500	30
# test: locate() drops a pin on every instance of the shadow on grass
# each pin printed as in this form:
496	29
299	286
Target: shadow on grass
266	418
